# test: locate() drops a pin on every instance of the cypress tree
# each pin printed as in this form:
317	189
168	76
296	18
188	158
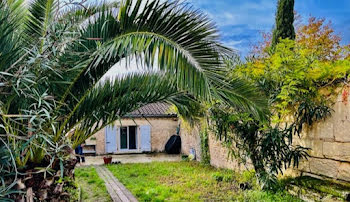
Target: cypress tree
284	27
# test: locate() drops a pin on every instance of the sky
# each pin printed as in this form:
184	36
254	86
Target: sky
241	22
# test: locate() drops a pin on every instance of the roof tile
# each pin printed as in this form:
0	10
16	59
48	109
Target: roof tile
159	109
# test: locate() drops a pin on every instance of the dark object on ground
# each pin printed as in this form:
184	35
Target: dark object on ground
173	146
184	157
347	198
107	160
116	162
245	186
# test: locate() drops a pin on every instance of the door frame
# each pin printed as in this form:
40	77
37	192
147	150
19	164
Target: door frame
137	136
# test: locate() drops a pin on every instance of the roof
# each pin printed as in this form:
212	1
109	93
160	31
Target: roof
158	110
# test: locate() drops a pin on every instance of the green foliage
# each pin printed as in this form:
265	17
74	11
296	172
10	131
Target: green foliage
284	28
297	86
293	81
269	149
205	153
52	60
72	188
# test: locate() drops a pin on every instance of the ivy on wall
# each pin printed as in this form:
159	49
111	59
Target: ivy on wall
205	153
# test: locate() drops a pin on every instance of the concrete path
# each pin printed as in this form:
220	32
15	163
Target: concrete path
132	158
117	191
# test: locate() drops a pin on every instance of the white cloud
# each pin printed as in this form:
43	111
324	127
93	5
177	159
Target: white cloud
123	68
233	12
233	43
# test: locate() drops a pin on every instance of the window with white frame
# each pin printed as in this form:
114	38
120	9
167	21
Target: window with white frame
128	138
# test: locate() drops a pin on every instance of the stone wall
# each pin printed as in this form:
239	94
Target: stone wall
328	139
330	144
218	154
161	130
190	139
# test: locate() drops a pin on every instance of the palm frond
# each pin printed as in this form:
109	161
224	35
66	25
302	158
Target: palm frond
191	53
244	96
78	13
114	99
96	26
11	15
172	36
41	15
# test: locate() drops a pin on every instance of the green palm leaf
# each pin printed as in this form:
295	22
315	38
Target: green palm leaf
41	15
114	99
57	59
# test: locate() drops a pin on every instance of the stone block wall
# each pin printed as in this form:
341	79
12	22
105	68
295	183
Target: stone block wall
330	144
218	154
190	139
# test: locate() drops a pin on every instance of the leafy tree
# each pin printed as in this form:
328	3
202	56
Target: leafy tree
295	83
267	148
284	27
319	40
53	55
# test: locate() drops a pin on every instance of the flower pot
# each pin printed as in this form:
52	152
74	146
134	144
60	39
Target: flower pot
107	160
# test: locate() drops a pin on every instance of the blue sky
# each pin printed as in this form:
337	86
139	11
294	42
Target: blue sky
241	21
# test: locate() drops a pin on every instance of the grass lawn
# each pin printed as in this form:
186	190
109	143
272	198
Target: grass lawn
93	188
190	181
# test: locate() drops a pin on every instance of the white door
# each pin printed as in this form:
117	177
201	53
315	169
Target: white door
111	139
145	132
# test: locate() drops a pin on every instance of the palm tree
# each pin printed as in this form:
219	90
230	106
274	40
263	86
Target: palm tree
53	55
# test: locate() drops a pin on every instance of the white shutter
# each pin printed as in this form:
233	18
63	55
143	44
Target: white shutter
145	132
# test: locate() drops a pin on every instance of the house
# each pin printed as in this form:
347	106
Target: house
144	130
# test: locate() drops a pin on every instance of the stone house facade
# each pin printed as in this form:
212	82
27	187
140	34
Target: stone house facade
144	130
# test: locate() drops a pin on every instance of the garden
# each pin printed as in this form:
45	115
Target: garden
54	55
192	181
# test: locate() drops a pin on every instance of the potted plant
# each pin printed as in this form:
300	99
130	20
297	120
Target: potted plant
107	160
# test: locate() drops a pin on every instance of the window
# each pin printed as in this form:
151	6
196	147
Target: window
128	138
123	138
132	137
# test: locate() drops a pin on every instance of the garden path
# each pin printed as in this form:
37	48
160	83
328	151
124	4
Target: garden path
117	191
